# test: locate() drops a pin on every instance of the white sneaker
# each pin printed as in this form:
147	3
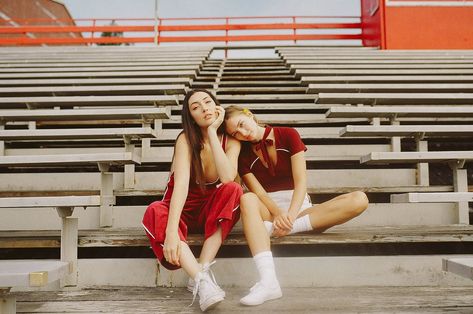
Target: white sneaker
190	285
205	268
261	293
210	294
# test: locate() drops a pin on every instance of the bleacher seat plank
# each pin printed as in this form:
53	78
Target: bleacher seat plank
84	114
287	118
310	60
267	77
99	69
389	88
258	83
166	73
276	105
381	66
31	273
96	81
399	111
462	266
389	79
56	201
393	157
340	235
264	98
92	90
303	72
407	130
305	133
94	133
70	159
18	102
268	90
98	63
451	197
395	98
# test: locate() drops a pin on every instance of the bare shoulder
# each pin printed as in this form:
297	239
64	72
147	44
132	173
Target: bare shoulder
232	142
181	140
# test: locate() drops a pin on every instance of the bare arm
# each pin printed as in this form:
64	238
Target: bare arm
299	176
181	166
226	163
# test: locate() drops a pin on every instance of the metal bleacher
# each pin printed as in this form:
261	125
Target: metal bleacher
60	102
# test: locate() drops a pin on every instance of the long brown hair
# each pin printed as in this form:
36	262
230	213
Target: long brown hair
194	136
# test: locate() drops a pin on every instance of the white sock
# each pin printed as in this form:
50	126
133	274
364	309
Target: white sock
265	265
301	224
269	227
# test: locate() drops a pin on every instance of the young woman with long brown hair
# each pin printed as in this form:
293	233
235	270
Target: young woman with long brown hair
201	195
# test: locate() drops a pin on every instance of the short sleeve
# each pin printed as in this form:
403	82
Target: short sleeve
293	141
243	161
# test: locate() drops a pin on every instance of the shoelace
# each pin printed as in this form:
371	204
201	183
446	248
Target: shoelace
200	276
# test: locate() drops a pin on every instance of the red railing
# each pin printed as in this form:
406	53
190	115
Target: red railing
32	31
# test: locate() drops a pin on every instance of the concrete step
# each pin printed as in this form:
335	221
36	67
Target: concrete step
377	214
293	272
110	299
460	266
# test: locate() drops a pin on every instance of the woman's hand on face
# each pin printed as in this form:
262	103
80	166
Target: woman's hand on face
172	248
220	112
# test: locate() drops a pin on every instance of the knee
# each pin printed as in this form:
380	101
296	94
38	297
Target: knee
153	207
248	203
360	202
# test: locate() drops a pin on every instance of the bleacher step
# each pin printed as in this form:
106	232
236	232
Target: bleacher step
460	266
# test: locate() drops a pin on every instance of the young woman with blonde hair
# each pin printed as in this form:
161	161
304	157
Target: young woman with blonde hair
273	168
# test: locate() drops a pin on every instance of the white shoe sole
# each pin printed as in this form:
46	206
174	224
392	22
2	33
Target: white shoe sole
211	303
191	290
269	298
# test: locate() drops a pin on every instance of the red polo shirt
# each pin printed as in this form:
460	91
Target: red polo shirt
287	142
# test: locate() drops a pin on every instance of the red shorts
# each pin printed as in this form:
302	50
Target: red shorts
203	213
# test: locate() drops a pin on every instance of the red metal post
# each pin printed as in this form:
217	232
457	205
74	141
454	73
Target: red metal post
226	37
159	28
294	28
92	33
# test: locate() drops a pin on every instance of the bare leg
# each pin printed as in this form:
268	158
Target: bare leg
211	247
252	211
188	261
336	211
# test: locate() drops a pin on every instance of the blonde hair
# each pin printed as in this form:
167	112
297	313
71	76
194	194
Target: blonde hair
235	110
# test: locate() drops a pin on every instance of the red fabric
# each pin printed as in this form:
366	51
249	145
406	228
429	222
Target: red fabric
202	213
287	143
263	147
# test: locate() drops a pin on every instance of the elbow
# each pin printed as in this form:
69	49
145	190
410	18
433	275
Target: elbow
228	178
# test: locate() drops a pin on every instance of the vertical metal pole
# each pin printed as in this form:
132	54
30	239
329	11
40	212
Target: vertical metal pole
226	37
92	33
294	28
156	19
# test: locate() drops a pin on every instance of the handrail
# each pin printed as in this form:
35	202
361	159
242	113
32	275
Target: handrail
29	31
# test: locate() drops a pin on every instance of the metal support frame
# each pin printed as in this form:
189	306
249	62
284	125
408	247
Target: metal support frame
422	168
7	302
460	184
69	243
106	195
